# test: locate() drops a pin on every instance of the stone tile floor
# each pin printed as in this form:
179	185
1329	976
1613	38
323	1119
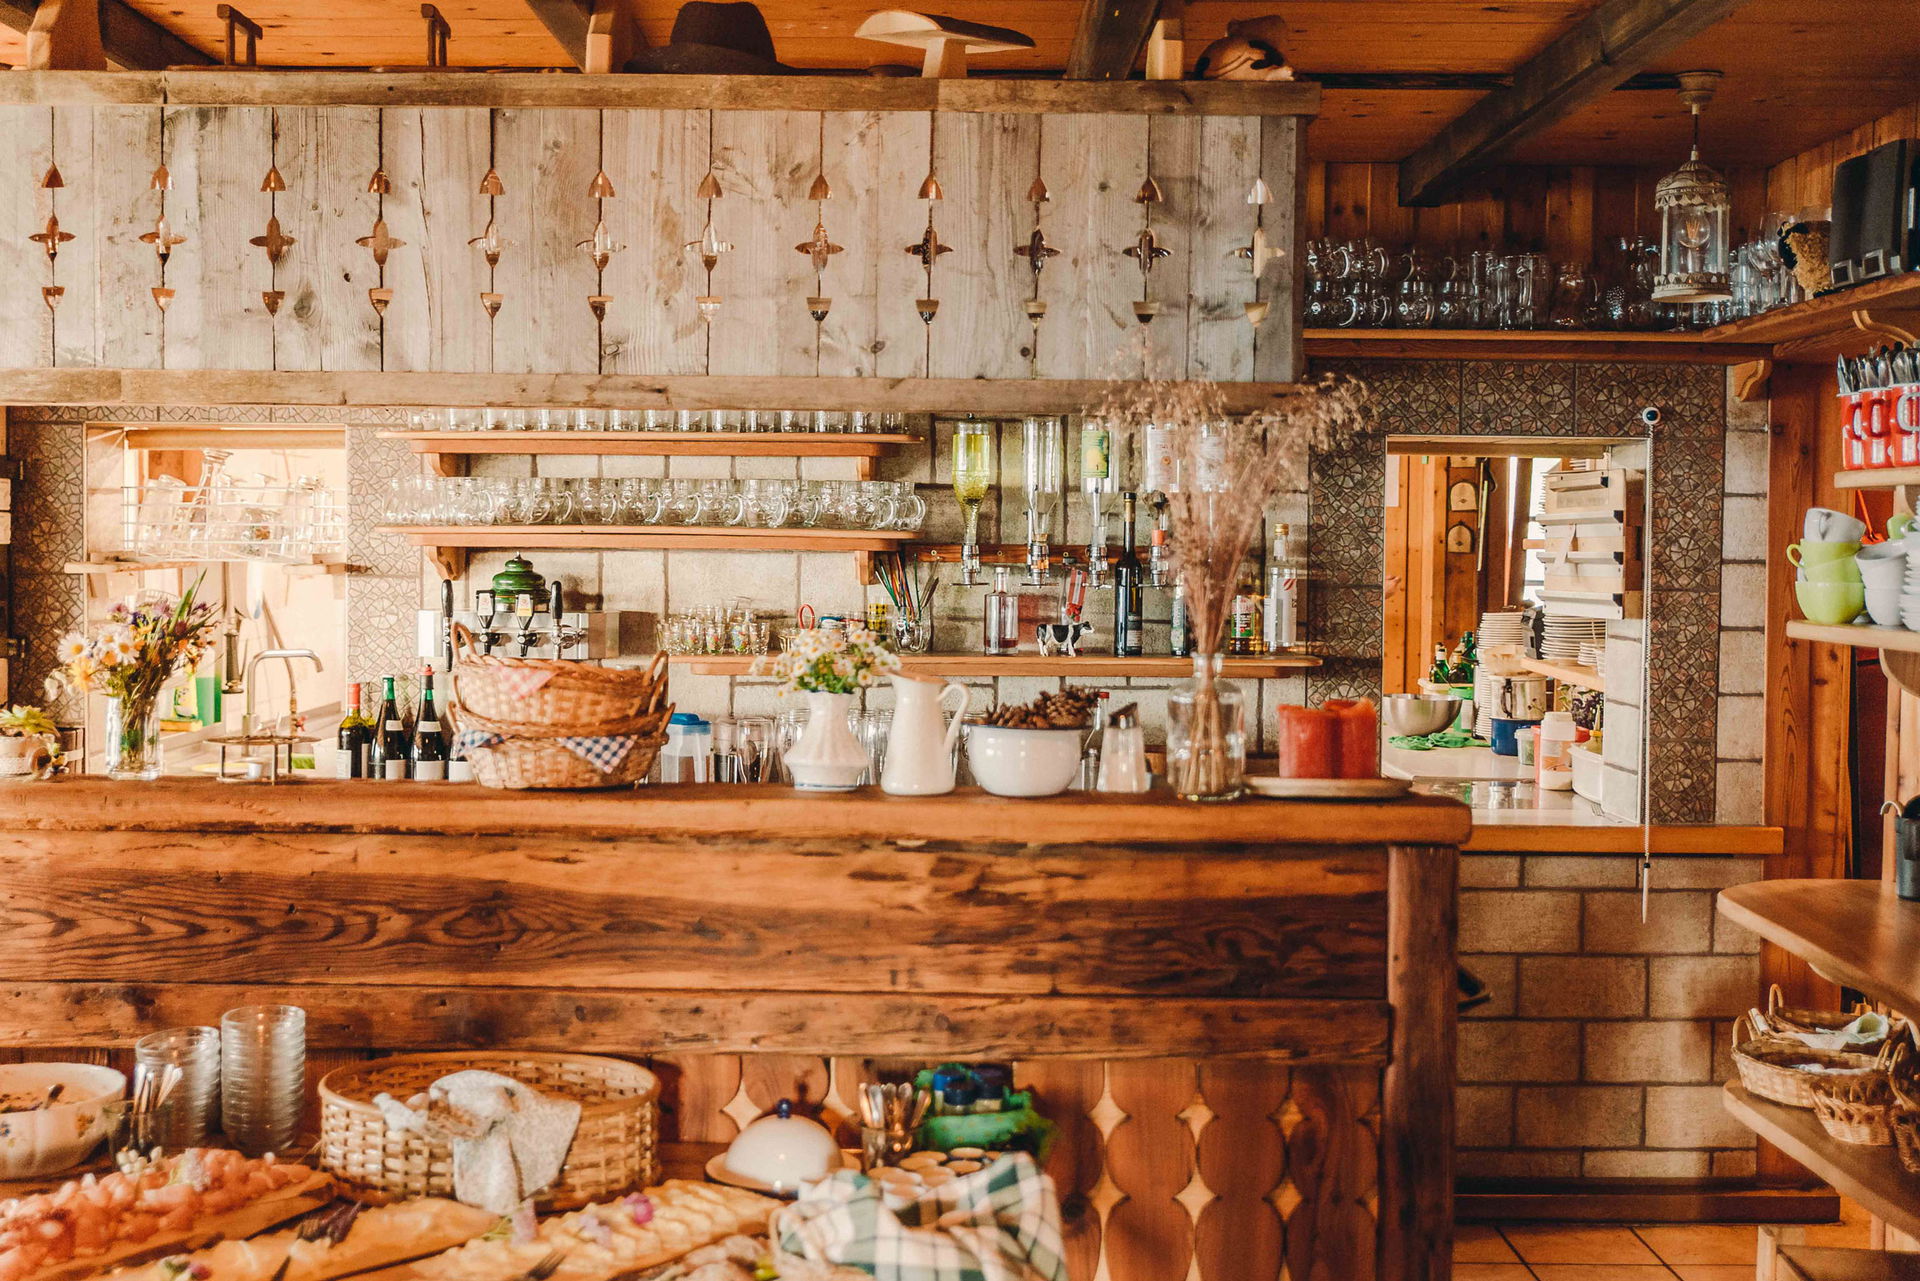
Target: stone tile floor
1602	1252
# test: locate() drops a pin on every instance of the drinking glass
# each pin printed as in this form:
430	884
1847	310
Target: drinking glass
183	1120
599	500
786	733
912	634
684	505
1572	294
263	1071
768	502
753	744
722	503
549	502
909	508
642	500
872	729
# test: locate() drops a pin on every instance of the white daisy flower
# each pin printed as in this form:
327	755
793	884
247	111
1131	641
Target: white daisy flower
73	647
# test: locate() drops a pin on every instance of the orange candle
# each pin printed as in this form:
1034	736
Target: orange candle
1308	743
1357	722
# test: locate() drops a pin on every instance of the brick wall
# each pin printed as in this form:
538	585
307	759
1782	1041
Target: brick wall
1602	1052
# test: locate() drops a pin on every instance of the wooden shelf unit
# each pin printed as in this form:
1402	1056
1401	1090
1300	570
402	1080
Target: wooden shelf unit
1863	635
1859	933
1877	478
1873	1176
1567	673
449	545
1086	665
1530	344
1850	320
440	446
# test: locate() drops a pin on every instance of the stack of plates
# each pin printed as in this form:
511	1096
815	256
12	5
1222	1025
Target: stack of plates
1507	628
1562	638
1482	702
1593	654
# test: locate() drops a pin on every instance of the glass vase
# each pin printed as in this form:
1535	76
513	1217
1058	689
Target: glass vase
1207	735
133	738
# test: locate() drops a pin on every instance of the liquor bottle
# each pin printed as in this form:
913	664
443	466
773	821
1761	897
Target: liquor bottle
1001	616
1243	621
356	732
428	754
1280	621
1440	673
388	756
1180	633
1129	603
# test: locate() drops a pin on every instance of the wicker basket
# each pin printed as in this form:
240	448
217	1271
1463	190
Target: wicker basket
574	693
1782	1017
613	1149
1768	1065
1905	1125
1856	1109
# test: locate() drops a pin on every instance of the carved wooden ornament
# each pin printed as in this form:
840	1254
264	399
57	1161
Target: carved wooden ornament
274	241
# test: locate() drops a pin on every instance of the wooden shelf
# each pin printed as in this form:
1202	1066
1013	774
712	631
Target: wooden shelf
1877	478
1566	673
1851	320
731	444
301	565
1818	1263
1862	635
1872	1176
449	544
1857	933
1087	665
1530	344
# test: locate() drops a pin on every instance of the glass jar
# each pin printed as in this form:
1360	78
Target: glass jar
1207	735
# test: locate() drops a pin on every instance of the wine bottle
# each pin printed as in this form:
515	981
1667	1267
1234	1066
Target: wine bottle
1129	604
388	758
428	754
355	734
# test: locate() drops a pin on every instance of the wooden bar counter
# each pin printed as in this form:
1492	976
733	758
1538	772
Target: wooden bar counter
1242	1016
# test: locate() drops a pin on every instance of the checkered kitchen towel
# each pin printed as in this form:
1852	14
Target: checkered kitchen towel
1001	1223
604	752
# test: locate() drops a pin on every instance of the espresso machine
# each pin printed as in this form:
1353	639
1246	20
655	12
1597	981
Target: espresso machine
519	615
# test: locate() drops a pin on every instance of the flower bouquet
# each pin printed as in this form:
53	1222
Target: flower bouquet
828	665
130	660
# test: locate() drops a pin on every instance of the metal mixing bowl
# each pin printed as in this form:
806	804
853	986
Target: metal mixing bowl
1410	715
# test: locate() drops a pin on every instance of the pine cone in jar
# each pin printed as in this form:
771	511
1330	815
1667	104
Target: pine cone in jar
1804	248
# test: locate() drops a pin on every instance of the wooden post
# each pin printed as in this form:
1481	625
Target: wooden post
612	36
1416	1105
1167	47
65	36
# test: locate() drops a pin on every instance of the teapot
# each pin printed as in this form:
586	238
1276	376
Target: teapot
920	748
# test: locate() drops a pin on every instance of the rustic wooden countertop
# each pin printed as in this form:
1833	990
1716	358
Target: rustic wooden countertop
969	815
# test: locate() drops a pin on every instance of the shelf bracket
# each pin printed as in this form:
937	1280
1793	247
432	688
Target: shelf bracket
451	562
1902	668
1895	326
1750	381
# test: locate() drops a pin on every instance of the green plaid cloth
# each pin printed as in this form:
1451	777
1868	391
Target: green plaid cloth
1001	1223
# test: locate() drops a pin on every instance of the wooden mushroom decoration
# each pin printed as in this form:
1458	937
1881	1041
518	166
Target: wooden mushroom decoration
946	41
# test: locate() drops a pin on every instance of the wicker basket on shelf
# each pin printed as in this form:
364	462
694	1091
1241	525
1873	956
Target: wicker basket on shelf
1772	1066
1856	1109
1905	1122
532	756
614	1148
1782	1017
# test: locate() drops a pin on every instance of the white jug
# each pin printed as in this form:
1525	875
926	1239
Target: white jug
920	748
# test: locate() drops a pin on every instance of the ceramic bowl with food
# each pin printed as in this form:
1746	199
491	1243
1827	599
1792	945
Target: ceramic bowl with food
38	1137
1008	761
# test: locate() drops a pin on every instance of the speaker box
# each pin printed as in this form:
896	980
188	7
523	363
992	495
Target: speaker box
1874	214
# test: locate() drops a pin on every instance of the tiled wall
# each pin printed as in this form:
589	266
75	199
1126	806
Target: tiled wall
1602	1052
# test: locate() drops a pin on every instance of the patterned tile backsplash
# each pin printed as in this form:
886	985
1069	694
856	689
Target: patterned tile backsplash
1690	445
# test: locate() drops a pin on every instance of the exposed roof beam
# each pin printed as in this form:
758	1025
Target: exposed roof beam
133	41
1109	39
1600	51
566	20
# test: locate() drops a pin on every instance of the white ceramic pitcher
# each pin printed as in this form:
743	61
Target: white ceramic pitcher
920	746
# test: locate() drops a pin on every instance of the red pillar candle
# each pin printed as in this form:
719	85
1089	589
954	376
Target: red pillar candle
1309	742
1358	723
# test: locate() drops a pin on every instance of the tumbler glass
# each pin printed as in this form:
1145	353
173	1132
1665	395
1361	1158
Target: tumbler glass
263	1071
183	1121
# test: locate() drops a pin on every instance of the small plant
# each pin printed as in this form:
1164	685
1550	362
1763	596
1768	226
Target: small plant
829	660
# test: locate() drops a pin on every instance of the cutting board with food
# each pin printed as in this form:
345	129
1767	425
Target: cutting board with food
176	1204
351	1239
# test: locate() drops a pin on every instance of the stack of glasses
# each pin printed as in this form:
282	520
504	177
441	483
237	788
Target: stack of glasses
264	1072
184	1119
833	421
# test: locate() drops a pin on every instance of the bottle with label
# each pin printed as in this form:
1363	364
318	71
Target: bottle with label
1159	558
1001	617
1243	620
1280	620
1180	632
1129	594
356	732
388	756
427	755
1440	673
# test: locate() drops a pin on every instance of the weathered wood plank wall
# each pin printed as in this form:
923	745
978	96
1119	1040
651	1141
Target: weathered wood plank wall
765	161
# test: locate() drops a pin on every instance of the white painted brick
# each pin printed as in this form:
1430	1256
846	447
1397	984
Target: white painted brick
1582	871
1743	662
1639	1163
1743	529
1743	727
1743	596
1747	462
1489	871
1739	797
1691	1116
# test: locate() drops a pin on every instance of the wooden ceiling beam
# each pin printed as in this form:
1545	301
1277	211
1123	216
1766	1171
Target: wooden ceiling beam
1599	52
567	20
1109	39
133	41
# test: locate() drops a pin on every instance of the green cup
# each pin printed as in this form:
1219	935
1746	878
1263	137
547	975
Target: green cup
1832	571
1898	524
1807	552
1831	602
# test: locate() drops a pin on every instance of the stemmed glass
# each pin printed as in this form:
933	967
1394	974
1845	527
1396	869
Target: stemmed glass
972	477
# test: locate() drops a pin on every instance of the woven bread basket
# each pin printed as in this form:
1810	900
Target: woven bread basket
614	1148
1905	1121
1782	1017
1769	1065
1855	1109
531	757
574	693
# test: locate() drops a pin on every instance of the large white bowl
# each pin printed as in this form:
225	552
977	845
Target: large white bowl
1024	762
51	1139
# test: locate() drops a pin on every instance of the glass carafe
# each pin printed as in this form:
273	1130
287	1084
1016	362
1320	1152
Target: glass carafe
972	478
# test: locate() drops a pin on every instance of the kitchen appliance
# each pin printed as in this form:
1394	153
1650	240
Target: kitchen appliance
522	614
1876	218
1519	698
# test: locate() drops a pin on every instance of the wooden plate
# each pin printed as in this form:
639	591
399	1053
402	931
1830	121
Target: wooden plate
1329	789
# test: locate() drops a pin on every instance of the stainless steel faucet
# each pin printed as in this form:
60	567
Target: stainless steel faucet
246	723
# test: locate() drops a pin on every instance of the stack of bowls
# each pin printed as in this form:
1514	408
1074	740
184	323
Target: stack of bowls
1829	587
1910	586
1884	579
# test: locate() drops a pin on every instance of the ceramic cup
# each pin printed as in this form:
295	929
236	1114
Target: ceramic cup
1880	570
1883	605
1898	525
1834	571
1824	524
1809	552
1830	602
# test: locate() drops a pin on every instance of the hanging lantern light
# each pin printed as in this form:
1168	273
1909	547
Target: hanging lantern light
1694	202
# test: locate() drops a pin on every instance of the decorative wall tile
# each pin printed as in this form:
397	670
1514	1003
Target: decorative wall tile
1408	396
1517	398
1608	399
47	533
